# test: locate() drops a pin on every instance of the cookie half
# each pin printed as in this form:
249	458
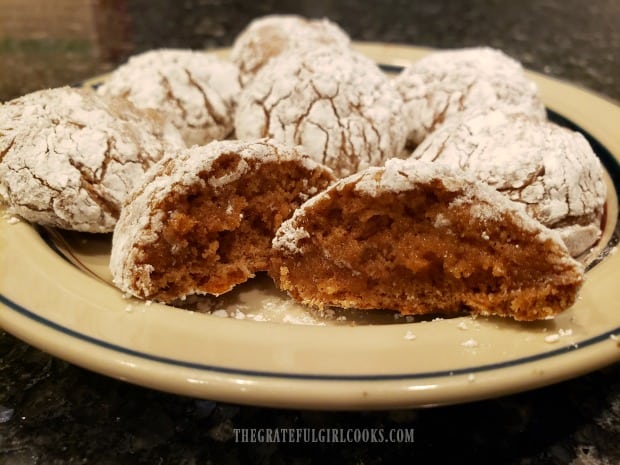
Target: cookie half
203	220
423	238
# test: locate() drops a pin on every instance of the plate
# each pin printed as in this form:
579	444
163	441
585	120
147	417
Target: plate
55	293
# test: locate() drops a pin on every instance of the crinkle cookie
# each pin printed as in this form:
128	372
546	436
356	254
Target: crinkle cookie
196	90
338	105
269	36
203	219
423	238
447	83
68	158
552	170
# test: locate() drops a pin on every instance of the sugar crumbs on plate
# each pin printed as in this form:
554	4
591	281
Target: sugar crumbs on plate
470	343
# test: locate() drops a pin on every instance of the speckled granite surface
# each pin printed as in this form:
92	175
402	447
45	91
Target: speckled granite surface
54	413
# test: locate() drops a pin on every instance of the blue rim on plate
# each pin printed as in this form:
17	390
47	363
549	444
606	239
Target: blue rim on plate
608	161
52	239
323	377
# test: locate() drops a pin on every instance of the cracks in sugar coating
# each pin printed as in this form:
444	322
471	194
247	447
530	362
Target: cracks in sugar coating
342	96
550	170
304	115
90	183
327	140
217	118
64	165
196	90
269	110
345	148
16	200
516	194
7	149
171	97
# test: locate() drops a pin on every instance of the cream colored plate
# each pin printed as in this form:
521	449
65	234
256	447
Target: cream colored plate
55	294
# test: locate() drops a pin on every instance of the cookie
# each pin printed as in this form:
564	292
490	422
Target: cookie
269	36
339	106
196	90
551	170
447	83
203	219
424	239
68	158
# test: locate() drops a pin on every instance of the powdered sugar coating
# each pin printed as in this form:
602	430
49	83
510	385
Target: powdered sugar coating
196	90
269	36
447	83
141	222
339	106
483	202
551	170
68	158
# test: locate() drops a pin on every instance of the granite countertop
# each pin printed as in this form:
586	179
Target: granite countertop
52	412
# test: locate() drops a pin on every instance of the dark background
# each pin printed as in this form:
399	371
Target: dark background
43	46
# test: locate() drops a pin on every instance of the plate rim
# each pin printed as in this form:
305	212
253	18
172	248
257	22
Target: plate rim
460	379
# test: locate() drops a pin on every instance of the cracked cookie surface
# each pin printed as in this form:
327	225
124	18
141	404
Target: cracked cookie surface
196	90
338	105
203	219
267	37
68	158
447	83
551	170
423	238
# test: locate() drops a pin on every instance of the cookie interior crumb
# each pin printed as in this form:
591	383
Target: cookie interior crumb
413	254
213	239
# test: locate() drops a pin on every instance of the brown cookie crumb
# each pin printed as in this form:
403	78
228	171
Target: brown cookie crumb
423	238
204	218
